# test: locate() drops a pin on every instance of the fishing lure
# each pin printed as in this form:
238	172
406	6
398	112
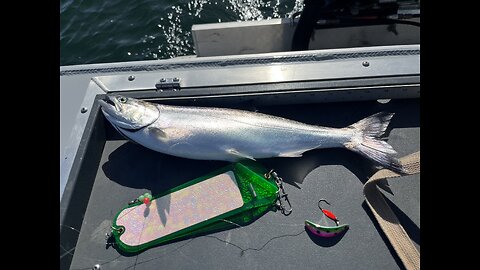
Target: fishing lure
237	194
326	231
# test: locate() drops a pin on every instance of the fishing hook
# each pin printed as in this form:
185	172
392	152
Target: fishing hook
326	212
326	231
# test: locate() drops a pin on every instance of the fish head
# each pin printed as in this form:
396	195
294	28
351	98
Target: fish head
127	112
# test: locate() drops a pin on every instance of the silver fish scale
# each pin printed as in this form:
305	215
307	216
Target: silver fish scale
227	134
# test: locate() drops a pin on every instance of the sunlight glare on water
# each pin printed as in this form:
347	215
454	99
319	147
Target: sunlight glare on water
100	31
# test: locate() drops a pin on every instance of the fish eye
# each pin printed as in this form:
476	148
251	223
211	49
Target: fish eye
122	99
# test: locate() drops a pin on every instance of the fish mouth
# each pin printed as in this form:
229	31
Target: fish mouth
109	101
129	116
109	104
112	111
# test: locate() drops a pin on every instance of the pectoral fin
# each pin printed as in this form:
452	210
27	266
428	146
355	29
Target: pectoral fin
160	134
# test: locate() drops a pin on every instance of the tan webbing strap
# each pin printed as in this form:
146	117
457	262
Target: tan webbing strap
387	219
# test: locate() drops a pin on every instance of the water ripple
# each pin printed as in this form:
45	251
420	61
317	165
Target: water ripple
99	31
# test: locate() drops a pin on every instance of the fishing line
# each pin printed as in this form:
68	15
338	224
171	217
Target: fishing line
231	222
135	264
255	249
140	237
243	250
116	258
126	213
70	228
271	239
158	257
62	247
66	251
89	268
90	258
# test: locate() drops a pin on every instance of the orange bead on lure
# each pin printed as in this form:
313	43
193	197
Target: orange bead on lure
145	198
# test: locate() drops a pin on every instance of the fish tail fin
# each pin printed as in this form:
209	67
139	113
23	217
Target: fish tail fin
367	142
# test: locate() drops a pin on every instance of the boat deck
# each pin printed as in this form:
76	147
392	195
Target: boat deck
116	171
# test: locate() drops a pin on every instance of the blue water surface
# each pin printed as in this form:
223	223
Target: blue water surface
101	31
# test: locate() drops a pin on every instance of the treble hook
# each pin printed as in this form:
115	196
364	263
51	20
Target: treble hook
326	212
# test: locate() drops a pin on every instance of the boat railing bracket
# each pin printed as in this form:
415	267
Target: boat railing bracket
168	84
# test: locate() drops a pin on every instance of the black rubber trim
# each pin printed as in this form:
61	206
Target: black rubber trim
239	62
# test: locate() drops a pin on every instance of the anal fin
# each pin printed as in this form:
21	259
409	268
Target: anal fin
296	153
239	155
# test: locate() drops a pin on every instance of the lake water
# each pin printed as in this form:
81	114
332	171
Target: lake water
100	31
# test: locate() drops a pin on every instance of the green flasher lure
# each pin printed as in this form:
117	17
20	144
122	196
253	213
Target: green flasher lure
237	194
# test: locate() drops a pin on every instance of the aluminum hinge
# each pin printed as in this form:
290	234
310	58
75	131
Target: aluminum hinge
168	84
